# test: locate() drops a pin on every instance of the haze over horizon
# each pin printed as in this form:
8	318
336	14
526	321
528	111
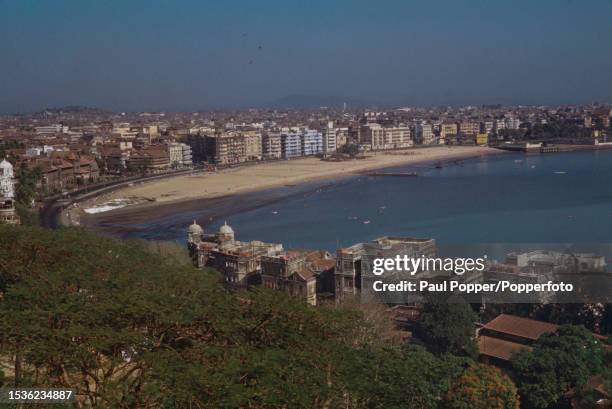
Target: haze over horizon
192	55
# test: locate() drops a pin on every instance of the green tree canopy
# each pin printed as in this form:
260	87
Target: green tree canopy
447	327
129	328
558	363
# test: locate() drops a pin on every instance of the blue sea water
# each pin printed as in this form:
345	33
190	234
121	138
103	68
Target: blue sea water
511	198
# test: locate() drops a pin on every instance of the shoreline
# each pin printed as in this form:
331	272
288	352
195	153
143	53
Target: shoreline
158	199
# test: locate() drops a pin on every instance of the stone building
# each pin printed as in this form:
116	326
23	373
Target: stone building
302	273
238	261
8	214
354	264
290	272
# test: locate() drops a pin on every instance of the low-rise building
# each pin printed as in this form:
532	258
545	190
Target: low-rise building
482	139
150	158
507	334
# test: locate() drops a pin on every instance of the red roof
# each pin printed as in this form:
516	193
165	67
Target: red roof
520	327
498	348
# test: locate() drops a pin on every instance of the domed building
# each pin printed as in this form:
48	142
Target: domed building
8	215
226	233
194	233
194	238
239	261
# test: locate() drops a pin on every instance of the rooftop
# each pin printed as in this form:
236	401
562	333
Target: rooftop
520	327
498	348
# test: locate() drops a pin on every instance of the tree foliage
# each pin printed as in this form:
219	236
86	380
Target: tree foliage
350	149
447	327
558	363
482	387
25	195
129	328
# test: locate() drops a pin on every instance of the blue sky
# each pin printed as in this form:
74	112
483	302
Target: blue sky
187	55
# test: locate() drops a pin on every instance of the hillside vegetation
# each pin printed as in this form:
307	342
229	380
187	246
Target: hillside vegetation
126	327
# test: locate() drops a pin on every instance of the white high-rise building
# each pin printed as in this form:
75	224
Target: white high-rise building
312	142
329	138
425	134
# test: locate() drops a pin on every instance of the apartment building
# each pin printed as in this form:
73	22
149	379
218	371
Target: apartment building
329	138
226	149
175	154
448	131
342	137
469	128
312	142
380	137
179	155
253	145
291	144
272	145
424	134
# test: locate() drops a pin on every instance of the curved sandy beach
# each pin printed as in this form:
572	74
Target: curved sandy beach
277	174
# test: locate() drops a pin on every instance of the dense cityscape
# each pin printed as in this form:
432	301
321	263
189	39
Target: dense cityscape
62	153
73	147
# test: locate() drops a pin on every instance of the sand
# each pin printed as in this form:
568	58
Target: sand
261	176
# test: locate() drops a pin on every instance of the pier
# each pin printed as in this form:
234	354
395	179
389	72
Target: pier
394	174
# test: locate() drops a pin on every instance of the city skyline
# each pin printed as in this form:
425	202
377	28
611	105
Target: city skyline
191	56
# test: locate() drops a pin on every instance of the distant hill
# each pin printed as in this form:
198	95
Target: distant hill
313	101
76	109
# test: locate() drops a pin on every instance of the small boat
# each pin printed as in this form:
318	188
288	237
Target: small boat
366	222
352	217
560	172
274	212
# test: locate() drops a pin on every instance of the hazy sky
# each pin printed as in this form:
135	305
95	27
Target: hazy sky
186	55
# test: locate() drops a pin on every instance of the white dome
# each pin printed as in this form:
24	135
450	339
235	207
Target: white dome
195	228
5	164
226	229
